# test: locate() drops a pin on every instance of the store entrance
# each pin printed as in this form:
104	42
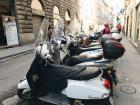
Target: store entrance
6	9
2	35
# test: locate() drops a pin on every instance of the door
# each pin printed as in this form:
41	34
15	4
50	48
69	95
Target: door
37	21
137	24
127	26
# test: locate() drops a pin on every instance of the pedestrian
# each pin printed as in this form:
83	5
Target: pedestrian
49	34
122	30
106	29
119	27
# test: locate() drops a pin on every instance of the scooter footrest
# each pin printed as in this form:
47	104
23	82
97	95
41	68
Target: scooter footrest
56	99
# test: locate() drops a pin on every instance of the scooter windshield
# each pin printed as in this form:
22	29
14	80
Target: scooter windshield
42	33
58	32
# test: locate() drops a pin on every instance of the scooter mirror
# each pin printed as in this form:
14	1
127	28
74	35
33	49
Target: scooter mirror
63	42
58	42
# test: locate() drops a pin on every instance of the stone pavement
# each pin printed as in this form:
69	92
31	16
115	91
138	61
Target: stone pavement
127	92
8	52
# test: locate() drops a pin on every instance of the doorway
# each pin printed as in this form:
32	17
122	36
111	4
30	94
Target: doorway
6	8
137	24
37	17
127	26
37	21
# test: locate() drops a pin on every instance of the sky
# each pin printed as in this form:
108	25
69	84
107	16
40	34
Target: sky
118	4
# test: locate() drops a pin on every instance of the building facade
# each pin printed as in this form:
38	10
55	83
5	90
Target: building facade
132	22
30	14
104	11
95	12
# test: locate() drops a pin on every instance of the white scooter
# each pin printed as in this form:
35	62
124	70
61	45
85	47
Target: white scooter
93	91
116	34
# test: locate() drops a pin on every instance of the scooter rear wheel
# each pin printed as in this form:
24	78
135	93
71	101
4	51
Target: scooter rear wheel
98	102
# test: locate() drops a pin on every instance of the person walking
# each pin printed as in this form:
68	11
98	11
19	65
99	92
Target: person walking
119	27
106	29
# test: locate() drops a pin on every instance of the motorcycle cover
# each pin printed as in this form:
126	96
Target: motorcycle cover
49	78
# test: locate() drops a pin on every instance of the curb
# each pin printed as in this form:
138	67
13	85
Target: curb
8	93
16	55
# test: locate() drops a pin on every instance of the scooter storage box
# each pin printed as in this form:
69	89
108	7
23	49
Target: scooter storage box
113	50
105	38
117	36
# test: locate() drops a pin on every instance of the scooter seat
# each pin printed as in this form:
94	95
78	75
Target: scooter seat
87	74
92	44
79	59
83	49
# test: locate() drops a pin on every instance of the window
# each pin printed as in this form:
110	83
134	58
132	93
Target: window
55	14
67	15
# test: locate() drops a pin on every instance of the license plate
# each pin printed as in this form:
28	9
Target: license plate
111	100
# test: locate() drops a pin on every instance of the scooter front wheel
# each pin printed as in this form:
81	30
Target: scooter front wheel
26	96
103	102
92	103
97	103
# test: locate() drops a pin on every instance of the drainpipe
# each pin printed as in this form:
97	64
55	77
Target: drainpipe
17	21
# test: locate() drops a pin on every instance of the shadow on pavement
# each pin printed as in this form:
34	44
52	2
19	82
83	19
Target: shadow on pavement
36	102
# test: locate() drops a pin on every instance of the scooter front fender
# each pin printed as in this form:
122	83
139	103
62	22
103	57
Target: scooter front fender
23	84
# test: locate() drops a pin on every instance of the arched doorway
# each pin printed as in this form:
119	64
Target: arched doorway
68	24
55	15
77	24
67	15
38	16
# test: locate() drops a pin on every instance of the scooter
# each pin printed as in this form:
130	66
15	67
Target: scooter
78	85
95	59
76	47
96	56
116	34
78	55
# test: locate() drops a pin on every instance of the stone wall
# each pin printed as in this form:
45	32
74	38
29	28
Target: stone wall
24	15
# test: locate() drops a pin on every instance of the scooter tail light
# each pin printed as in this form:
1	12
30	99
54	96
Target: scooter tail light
106	84
120	46
113	39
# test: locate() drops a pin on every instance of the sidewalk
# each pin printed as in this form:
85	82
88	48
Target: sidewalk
127	92
9	52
